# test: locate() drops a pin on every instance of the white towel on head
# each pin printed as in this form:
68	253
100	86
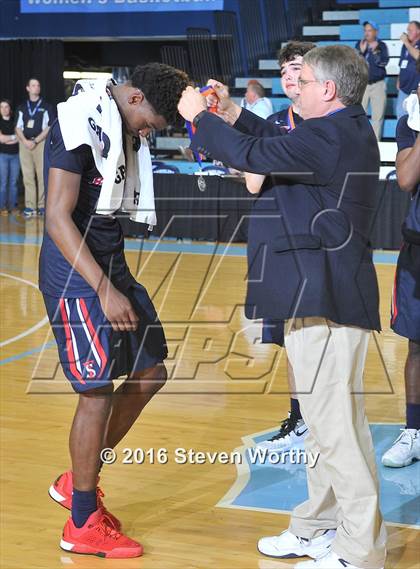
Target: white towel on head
412	107
91	117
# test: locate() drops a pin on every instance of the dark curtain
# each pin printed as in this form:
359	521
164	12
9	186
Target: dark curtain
23	59
221	212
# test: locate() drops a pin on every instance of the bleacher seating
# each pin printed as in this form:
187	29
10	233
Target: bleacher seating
336	26
340	15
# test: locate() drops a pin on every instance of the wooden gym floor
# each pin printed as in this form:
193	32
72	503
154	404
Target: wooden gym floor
223	386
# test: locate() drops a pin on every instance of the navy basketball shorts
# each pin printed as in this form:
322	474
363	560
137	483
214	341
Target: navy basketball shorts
272	331
405	305
91	353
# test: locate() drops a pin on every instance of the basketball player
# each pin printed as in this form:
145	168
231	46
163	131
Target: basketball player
104	322
405	308
293	430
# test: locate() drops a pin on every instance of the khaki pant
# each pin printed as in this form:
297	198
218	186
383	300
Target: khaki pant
376	95
328	362
32	164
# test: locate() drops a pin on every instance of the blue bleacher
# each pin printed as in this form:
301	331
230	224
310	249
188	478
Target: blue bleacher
390	126
350	43
391	85
389	111
355	31
279	103
397	3
276	87
391	16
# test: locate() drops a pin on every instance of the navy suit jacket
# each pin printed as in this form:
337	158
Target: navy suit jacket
308	241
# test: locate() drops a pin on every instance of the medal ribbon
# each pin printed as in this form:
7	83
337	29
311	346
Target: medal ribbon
290	118
207	90
30	112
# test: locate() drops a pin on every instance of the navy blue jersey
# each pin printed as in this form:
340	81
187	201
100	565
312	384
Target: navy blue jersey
409	76
281	118
377	60
102	233
406	138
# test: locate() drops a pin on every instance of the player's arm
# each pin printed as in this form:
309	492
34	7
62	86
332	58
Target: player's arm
408	167
63	193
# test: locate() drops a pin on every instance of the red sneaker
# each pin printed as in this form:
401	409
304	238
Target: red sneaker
98	537
62	490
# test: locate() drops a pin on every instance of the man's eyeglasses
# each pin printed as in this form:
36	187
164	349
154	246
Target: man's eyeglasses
302	82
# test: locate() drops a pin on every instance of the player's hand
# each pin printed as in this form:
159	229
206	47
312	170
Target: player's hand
191	104
118	309
254	182
404	37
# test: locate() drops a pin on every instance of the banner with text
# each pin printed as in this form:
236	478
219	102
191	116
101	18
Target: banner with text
105	6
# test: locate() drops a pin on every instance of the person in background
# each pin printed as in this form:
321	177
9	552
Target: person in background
409	76
33	124
290	63
376	54
9	160
405	307
256	101
293	430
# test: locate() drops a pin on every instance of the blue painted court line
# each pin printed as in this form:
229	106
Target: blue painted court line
22	355
17	238
385	257
281	487
185	246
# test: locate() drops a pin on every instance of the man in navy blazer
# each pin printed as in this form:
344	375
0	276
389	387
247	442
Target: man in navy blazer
310	264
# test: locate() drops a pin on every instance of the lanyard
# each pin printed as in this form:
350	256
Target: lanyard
30	112
291	118
191	134
207	90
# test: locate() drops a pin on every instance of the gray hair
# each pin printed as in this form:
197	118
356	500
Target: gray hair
343	65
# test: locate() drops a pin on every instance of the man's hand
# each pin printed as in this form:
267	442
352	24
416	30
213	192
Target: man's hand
228	110
117	308
191	104
404	38
254	182
29	144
